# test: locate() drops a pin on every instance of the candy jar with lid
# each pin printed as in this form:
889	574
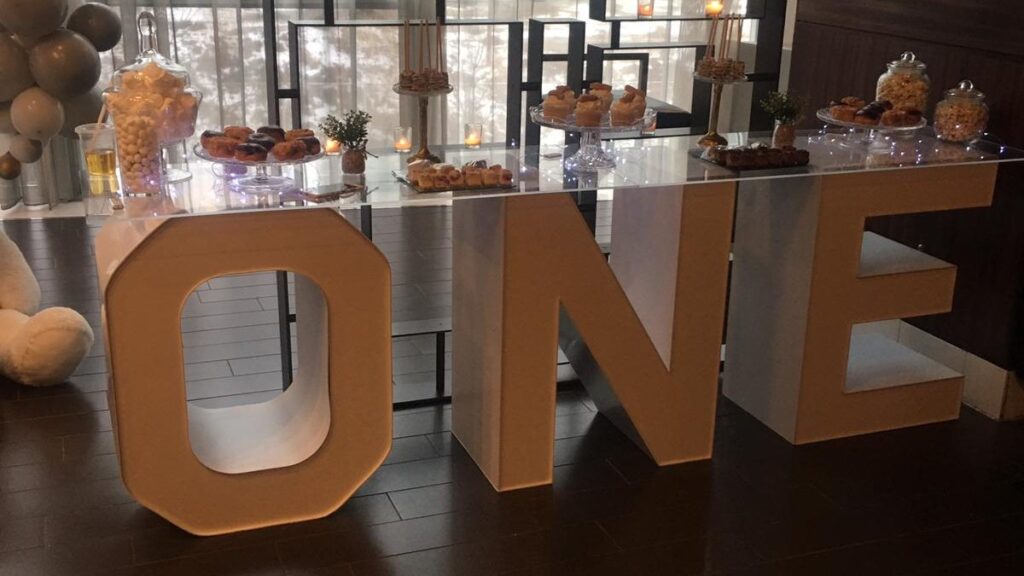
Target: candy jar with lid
153	106
962	115
905	84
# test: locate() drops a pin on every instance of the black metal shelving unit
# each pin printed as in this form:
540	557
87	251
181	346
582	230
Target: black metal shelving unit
584	64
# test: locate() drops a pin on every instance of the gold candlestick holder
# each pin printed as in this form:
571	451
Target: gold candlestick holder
424	97
713	138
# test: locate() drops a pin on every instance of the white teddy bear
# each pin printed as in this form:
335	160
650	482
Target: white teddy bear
41	349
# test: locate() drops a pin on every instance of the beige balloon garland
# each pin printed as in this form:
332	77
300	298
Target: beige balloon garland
50	64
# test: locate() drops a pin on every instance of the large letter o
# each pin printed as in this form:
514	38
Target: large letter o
297	457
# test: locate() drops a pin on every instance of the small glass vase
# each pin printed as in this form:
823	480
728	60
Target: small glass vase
353	161
784	134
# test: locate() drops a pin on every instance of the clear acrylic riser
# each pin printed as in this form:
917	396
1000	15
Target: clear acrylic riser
592	156
250	177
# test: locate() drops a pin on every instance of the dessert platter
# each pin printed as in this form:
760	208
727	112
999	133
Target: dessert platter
592	114
880	116
238	148
427	176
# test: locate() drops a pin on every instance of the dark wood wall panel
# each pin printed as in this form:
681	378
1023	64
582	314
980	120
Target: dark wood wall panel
838	51
992	26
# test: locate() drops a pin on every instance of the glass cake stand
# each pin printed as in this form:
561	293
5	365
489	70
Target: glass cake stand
236	172
872	130
591	155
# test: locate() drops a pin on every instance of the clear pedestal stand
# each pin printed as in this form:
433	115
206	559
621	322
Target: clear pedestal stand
424	102
863	134
172	174
236	172
591	156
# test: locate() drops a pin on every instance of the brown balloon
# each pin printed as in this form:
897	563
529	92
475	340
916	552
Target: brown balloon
6	126
14	72
32	18
64	64
9	167
97	23
79	110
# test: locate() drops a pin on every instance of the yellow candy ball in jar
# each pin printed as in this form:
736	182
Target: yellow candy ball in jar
152	106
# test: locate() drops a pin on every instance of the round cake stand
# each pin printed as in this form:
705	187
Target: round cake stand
424	101
591	156
867	134
713	138
236	172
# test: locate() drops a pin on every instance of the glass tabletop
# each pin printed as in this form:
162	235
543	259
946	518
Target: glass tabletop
641	163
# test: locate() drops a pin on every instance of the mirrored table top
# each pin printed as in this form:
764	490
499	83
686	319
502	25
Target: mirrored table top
641	163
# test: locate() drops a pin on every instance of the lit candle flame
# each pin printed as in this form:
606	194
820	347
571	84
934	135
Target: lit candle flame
332	146
714	8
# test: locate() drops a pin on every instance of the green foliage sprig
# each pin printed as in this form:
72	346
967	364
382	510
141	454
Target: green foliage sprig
350	130
783	107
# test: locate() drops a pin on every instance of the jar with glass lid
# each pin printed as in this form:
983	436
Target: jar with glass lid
962	115
905	84
153	105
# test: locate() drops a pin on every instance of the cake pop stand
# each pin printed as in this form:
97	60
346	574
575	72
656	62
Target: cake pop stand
237	172
591	155
424	100
713	138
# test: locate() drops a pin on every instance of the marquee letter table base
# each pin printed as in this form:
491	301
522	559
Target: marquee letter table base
807	281
296	457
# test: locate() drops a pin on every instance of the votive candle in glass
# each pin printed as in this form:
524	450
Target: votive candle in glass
645	8
403	139
474	135
650	124
332	147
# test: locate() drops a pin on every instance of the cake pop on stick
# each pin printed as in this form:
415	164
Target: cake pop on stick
710	53
728	34
739	35
720	52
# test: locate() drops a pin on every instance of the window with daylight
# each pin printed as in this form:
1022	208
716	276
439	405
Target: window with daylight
343	68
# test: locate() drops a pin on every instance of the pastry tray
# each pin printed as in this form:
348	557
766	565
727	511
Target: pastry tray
824	115
405	180
766	171
270	161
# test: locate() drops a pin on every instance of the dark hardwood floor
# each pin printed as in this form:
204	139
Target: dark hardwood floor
944	499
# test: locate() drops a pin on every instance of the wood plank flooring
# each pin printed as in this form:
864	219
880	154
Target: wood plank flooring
944	499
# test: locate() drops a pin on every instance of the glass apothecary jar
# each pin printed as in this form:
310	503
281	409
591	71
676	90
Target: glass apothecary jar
153	106
905	84
962	115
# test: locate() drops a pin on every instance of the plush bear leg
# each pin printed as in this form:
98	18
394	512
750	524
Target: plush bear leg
47	348
18	287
